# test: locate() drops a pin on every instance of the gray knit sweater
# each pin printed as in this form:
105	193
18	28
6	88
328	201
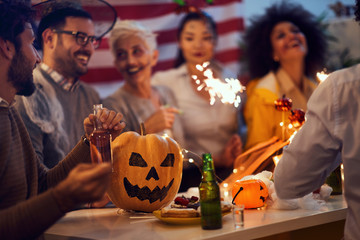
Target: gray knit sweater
54	116
27	205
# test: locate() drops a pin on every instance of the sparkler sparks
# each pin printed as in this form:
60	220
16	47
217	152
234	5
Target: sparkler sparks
228	91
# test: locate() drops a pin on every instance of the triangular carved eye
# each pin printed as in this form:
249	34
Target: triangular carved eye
261	188
169	160
137	160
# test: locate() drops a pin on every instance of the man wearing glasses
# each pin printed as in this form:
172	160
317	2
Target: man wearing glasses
54	114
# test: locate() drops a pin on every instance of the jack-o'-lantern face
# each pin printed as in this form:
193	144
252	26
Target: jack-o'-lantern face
145	193
252	193
147	171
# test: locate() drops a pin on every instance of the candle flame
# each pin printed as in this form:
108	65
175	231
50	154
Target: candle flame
276	159
227	92
321	76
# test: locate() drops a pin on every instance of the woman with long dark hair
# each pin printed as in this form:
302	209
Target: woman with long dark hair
207	128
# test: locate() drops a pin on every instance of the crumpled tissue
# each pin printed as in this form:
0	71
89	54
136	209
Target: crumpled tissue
312	201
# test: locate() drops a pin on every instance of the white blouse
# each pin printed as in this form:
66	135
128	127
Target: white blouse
207	128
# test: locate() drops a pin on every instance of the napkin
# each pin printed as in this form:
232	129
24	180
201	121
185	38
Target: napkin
312	201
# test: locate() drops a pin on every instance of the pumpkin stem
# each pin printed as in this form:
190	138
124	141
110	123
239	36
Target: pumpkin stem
142	129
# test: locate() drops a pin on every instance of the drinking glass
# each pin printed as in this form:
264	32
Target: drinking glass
238	215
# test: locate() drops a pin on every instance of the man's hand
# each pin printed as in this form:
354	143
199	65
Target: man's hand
232	149
85	183
100	203
110	120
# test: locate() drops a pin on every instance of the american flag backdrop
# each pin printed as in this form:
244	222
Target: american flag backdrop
160	17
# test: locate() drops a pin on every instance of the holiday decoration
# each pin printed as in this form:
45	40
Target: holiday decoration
147	171
283	104
297	117
191	5
252	193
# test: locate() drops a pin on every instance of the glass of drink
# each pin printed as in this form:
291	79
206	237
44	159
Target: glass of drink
238	215
100	140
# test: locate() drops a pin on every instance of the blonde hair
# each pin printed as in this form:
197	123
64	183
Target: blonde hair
126	28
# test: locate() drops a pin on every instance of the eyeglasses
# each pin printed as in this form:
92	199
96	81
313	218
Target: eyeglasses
82	38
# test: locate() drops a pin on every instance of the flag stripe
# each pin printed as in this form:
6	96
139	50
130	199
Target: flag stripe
150	10
170	35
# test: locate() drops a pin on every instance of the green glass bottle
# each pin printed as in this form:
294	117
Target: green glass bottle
211	217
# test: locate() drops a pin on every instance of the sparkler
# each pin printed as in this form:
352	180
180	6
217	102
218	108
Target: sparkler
228	91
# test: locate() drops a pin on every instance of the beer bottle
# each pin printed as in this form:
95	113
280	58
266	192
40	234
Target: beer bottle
100	140
211	217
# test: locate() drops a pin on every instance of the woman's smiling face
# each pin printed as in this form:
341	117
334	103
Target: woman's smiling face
197	42
288	42
134	60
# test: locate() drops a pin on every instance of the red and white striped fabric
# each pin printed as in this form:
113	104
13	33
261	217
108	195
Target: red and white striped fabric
160	16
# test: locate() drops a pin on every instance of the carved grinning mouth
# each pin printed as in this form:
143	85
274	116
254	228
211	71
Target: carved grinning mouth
145	193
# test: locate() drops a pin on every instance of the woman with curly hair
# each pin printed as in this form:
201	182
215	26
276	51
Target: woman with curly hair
285	49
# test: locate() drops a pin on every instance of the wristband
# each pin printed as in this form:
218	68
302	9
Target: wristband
85	140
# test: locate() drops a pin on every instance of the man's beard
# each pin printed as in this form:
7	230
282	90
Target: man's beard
69	68
20	75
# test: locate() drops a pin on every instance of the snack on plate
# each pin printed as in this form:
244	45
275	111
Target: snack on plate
225	207
184	202
184	207
179	212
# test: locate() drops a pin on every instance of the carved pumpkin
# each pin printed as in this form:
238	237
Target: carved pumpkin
252	193
147	171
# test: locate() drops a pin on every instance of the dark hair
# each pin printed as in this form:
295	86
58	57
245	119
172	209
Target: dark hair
55	16
13	17
202	16
259	53
357	11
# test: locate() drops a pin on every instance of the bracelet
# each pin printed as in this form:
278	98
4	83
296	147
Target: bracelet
85	140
